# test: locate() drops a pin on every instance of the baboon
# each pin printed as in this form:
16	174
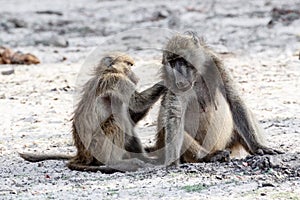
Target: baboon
202	116
104	120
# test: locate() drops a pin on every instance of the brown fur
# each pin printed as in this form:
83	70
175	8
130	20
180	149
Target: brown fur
201	115
104	120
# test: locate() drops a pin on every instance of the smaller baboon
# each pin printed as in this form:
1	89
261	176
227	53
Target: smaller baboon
201	115
104	120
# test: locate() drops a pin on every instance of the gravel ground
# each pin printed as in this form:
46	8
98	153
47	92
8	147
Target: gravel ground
258	40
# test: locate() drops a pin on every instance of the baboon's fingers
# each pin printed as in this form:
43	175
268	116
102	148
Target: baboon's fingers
268	151
172	166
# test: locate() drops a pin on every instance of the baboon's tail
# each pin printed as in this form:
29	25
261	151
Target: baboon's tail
40	157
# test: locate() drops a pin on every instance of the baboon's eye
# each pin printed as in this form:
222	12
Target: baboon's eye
178	60
129	63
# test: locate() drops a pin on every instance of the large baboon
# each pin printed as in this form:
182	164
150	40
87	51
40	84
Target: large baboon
103	122
201	115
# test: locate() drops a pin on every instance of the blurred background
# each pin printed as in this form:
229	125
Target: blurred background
66	31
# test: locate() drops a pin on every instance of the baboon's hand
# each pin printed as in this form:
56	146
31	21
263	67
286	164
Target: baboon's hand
173	165
161	86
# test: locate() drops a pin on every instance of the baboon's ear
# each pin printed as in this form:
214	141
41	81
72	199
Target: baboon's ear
107	61
194	36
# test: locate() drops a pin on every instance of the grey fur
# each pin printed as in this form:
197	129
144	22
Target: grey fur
210	110
104	120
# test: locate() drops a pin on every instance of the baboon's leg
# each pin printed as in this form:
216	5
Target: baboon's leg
193	152
37	157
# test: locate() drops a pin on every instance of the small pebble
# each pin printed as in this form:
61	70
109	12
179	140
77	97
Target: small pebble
267	185
7	71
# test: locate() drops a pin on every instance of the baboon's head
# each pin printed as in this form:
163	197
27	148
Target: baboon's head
179	63
119	63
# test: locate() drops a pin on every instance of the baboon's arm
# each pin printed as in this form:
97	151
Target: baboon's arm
140	103
246	127
245	124
174	129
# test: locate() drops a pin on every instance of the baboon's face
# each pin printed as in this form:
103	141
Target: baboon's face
120	64
178	72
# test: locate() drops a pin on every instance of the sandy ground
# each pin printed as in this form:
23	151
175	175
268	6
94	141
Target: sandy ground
260	47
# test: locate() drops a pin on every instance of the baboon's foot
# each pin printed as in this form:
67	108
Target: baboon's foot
218	156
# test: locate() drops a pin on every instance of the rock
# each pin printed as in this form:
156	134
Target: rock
24	59
174	22
274	162
2	96
18	23
267	185
58	41
50	12
286	16
7	70
7	56
159	15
